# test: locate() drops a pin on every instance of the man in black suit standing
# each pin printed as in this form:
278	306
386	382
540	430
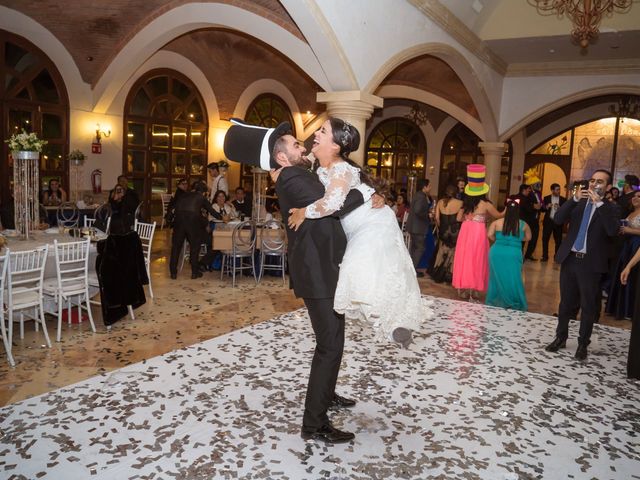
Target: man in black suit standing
418	222
551	204
529	214
315	251
583	258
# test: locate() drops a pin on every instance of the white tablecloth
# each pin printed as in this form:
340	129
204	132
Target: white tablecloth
40	239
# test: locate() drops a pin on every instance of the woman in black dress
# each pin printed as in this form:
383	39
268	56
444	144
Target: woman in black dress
633	361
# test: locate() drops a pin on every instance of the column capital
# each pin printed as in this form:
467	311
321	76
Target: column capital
350	103
493	148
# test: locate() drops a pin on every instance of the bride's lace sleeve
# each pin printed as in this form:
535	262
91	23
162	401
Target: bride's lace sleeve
340	179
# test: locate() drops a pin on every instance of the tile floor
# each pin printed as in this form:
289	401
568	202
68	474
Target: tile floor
185	312
475	397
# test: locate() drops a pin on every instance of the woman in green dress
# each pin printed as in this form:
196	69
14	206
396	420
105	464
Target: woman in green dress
506	288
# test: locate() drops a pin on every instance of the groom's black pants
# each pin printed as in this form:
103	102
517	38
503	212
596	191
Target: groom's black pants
329	331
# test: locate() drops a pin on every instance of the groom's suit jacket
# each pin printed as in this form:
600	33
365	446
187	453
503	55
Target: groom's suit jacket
316	249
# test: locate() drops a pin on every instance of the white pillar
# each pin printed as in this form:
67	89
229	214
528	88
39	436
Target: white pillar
354	107
493	152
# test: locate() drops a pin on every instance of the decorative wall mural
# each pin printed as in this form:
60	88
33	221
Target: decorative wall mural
627	151
593	148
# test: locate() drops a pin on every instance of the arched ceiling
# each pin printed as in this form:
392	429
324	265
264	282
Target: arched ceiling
567	110
229	60
519	36
93	32
436	76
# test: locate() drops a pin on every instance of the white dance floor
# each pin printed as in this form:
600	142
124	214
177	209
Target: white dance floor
475	397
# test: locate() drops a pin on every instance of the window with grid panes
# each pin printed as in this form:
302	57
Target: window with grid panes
33	98
165	136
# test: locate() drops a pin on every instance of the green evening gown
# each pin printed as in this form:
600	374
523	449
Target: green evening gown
505	272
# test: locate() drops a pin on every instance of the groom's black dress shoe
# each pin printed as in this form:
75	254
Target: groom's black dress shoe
556	345
327	433
581	352
339	401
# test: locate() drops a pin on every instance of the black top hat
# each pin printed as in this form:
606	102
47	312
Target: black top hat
253	145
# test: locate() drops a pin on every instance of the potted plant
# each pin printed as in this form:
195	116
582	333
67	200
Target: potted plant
25	146
76	156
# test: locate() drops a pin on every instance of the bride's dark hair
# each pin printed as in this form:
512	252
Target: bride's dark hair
347	137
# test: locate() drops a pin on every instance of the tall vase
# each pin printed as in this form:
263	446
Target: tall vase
26	185
76	184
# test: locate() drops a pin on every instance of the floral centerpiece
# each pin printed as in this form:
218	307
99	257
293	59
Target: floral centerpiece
76	156
25	151
25	142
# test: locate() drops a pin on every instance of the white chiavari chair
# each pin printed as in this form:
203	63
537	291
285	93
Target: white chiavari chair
72	280
24	288
4	266
145	232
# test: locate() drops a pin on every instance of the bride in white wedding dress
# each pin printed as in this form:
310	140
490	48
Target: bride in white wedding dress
377	281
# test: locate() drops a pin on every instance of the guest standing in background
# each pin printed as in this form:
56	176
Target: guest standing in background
460	184
418	222
446	218
551	204
190	225
125	202
529	213
471	260
218	180
506	287
583	259
633	359
631	185
620	301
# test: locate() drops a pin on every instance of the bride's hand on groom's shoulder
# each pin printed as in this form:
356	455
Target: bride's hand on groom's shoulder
296	217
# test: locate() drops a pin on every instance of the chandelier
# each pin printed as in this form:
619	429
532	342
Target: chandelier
626	107
417	115
585	14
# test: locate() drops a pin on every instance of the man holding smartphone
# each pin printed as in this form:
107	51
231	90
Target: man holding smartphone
582	255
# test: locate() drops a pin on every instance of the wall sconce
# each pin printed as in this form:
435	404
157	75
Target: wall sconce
96	146
101	133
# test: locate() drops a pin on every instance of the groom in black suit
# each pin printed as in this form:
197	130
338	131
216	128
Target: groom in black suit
583	258
315	251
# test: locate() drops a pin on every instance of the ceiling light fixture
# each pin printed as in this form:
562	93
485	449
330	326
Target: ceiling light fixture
626	107
585	14
418	115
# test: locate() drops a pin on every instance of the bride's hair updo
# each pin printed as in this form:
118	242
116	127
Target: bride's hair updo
347	137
